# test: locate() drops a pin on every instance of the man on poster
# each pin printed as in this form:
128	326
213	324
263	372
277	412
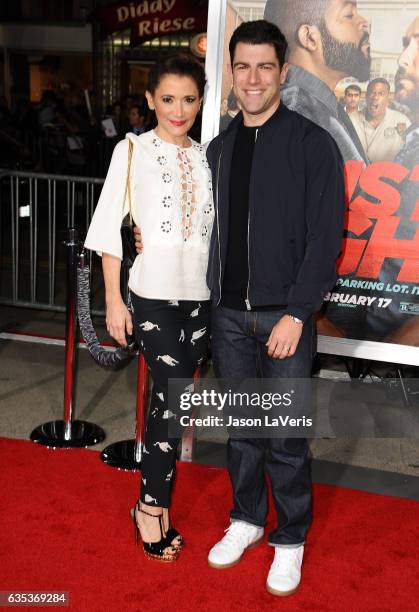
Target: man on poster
351	99
387	323
328	41
380	128
272	258
407	92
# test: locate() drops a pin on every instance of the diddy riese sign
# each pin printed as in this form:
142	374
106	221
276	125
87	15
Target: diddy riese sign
153	18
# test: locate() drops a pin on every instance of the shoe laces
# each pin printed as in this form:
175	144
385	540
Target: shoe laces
237	533
286	555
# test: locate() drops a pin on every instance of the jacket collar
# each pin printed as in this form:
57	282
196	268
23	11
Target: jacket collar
299	77
278	115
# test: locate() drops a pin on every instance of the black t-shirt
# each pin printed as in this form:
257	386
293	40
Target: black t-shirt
236	273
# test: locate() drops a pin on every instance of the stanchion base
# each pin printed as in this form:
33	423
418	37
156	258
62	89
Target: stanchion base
121	455
76	434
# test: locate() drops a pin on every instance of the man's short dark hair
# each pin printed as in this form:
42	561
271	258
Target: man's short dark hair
353	88
378	80
259	32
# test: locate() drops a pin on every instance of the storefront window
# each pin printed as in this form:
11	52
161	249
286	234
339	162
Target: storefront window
115	53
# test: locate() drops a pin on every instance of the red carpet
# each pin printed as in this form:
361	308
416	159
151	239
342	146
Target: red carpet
65	525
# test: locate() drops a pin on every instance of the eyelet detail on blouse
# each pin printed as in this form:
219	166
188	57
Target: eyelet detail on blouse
188	190
166	226
171	201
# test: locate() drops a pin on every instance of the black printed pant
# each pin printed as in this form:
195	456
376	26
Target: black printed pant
173	336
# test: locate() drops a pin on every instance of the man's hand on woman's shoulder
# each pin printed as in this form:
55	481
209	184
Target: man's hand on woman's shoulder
138	240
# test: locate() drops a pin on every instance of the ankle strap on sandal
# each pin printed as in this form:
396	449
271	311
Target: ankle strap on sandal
139	508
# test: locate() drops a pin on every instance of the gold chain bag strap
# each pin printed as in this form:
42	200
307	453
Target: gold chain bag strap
128	248
128	244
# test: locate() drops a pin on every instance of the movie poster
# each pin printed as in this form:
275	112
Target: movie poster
354	70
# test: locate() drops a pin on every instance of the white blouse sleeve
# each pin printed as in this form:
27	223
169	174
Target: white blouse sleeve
104	234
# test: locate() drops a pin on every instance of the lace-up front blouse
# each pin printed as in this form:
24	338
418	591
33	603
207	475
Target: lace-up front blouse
171	199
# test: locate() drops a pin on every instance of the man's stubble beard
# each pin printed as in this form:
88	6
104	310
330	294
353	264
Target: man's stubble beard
345	57
409	98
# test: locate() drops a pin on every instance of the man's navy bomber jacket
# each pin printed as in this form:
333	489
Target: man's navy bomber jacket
296	212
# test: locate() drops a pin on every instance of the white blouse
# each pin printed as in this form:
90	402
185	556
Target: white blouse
171	198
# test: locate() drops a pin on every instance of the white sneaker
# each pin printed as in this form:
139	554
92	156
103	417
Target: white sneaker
229	550
285	573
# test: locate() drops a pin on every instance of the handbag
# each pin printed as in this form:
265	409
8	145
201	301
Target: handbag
127	235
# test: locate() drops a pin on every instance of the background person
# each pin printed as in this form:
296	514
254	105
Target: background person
137	116
232	110
117	115
223	107
380	128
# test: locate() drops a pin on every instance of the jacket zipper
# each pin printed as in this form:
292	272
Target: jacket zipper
218	220
247	301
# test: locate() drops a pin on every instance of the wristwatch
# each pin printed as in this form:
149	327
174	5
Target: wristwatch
296	319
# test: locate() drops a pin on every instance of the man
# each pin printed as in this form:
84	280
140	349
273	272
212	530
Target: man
137	118
351	98
232	111
279	198
380	128
386	322
407	92
329	41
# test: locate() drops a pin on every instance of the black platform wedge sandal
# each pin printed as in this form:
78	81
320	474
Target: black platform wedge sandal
155	550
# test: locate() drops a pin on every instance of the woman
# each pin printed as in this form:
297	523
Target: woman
171	198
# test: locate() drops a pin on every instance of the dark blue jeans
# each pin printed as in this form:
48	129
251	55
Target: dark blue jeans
239	351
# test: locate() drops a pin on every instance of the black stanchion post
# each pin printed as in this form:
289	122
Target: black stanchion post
69	433
70	332
126	454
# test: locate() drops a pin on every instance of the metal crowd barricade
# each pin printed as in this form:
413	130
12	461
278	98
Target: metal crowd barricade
36	210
